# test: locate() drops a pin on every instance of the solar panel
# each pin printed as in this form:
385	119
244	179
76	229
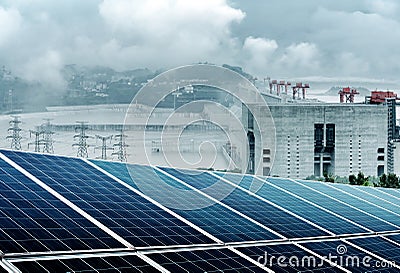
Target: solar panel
33	220
129	215
348	256
393	192
361	204
341	208
96	264
293	259
380	195
215	219
296	205
50	203
217	260
381	247
266	214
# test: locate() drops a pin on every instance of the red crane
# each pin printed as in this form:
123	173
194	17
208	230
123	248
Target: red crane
347	93
297	87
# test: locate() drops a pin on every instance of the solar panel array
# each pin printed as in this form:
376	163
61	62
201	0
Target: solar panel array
61	214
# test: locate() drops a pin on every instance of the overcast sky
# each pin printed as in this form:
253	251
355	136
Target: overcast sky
277	38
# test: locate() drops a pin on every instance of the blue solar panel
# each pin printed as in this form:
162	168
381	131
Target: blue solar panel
296	205
354	190
348	256
129	215
33	220
215	219
395	238
360	204
266	214
97	264
295	259
394	192
201	261
380	194
380	247
335	206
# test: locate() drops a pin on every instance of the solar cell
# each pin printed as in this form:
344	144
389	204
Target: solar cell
394	192
266	214
349	257
292	259
129	215
33	220
310	212
215	219
380	194
217	260
361	204
381	247
342	209
97	264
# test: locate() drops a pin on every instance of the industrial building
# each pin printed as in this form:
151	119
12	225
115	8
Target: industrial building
313	138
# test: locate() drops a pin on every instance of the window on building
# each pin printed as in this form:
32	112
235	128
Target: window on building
266	151
381	150
266	159
381	158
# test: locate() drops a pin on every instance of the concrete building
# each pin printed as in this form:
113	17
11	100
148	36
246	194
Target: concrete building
313	138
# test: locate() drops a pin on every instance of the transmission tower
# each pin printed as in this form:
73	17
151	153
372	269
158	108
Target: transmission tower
14	133
82	138
38	141
120	147
103	146
47	136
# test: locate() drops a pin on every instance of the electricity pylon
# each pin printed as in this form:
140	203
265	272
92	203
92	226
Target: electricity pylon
120	147
14	133
103	146
82	138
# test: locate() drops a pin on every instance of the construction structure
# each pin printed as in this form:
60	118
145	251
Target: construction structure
82	139
120	146
104	148
300	86
347	94
278	87
324	138
14	133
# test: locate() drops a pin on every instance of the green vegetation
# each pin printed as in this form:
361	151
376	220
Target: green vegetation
388	181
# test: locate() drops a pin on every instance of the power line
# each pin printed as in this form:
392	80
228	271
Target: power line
14	133
103	146
120	147
82	138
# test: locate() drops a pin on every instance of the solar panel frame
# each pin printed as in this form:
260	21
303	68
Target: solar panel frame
200	261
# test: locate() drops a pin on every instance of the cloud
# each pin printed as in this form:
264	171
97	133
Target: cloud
260	53
10	22
44	69
170	31
280	38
